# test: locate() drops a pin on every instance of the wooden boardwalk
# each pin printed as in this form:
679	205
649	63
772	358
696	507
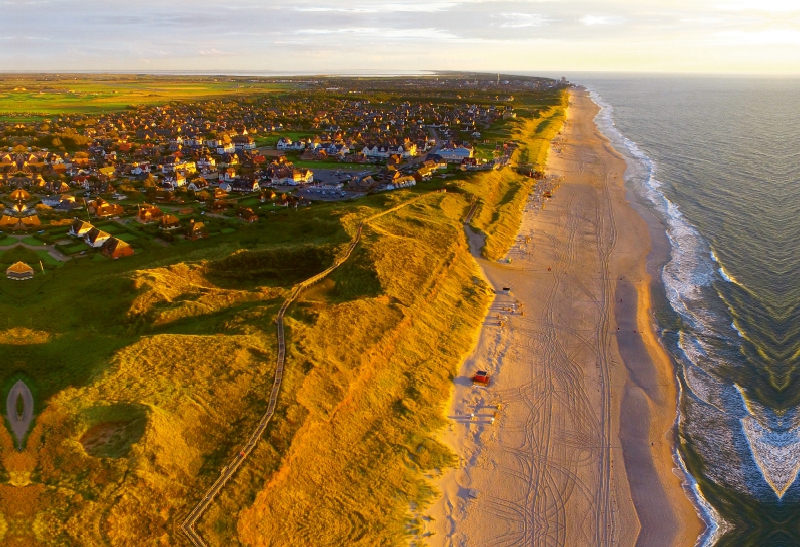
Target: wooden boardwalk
228	471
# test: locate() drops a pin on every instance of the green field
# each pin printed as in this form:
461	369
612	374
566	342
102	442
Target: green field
33	241
97	95
76	248
127	237
45	257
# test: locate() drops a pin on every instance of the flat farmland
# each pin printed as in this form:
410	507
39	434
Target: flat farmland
31	99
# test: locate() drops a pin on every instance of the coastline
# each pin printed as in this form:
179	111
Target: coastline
566	458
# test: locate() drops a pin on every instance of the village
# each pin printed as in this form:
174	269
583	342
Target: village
78	186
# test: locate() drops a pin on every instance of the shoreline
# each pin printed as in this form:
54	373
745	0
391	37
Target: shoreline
534	474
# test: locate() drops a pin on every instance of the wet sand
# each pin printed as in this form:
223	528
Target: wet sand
572	442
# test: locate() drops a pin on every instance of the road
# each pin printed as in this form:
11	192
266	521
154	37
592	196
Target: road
51	249
19	422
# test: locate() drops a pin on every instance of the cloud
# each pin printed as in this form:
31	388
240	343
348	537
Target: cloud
761	37
383	8
523	20
760	5
592	20
420	33
213	52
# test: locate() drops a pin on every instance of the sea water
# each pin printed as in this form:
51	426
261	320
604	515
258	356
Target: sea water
718	160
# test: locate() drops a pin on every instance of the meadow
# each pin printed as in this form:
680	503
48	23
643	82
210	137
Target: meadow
150	372
29	98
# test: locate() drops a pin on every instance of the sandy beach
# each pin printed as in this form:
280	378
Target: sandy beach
572	442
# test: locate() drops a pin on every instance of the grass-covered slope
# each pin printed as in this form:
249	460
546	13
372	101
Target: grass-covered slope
501	195
368	378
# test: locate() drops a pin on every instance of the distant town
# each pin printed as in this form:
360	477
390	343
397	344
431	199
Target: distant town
78	184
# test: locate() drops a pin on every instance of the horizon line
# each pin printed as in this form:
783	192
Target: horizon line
386	74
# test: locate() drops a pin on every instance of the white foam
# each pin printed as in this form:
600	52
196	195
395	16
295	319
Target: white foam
716	526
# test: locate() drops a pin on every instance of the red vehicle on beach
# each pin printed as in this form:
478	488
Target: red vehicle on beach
481	378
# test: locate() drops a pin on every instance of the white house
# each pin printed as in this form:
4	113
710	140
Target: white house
376	151
95	237
244	142
285	143
198	184
175	180
339	149
454	153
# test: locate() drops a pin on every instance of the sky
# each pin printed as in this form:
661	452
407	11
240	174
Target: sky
315	36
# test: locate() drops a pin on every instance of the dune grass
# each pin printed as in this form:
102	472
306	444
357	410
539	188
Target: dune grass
367	383
501	195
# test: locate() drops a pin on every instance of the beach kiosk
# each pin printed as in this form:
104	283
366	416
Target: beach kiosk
19	271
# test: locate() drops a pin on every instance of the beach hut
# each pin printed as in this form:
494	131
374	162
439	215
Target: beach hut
481	378
19	271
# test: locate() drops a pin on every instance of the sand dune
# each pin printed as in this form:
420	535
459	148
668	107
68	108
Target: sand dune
571	443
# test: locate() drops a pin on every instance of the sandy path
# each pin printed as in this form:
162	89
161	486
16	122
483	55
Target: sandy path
581	408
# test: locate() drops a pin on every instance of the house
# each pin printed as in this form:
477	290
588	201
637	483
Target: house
102	209
19	271
401	182
434	162
363	183
174	180
245	186
247	214
338	149
29	222
206	162
285	143
170	222
96	237
186	167
52	201
422	174
7	222
225	146
229	175
196	230
219	206
405	150
375	151
243	142
79	228
139	167
116	248
197	185
394	160
454	153
291	176
148	213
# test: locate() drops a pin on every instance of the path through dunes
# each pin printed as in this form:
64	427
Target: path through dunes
550	471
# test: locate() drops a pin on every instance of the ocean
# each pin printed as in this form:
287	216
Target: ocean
718	160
